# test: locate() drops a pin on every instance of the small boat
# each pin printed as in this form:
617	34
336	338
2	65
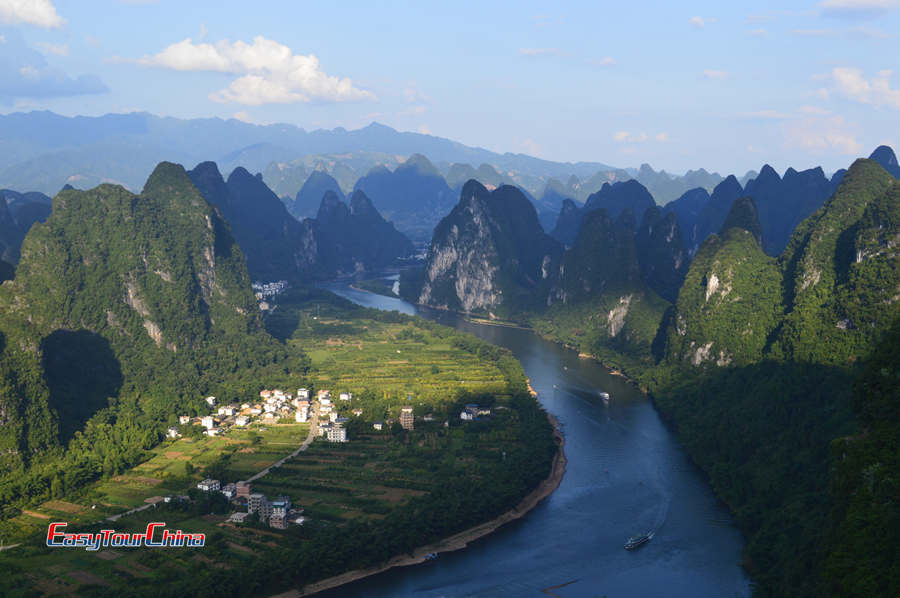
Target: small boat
605	397
635	541
431	556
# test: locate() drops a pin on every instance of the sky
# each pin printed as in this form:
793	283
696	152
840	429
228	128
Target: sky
679	85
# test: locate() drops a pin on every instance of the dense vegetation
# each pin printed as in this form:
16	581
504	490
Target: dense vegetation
125	311
383	494
763	377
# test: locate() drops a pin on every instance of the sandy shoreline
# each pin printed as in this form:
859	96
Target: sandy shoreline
457	541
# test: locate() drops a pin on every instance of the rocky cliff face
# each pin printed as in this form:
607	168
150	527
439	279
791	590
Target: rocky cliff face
826	299
117	290
567	223
276	245
886	157
661	253
356	238
490	251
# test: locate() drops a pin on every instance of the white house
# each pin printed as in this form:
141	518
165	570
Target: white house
302	415
207	422
184	419
212	432
345	396
229	490
337	434
211	401
241	420
209	485
172	433
378	425
303	393
238	517
269	408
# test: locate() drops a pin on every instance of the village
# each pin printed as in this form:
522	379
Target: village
327	422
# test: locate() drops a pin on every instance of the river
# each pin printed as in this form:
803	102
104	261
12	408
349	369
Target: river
626	475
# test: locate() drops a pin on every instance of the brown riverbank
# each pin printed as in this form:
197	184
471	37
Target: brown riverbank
456	541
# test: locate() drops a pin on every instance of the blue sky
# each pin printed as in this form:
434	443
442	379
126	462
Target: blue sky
725	86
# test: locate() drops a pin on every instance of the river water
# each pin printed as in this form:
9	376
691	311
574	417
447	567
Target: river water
626	475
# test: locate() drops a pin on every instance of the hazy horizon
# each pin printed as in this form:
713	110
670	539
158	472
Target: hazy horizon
724	88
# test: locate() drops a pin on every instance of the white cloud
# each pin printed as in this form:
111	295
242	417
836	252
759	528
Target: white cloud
270	72
857	8
605	61
414	95
815	110
823	134
713	74
662	137
759	32
701	22
851	83
55	49
41	13
241	116
541	52
423	129
626	137
869	33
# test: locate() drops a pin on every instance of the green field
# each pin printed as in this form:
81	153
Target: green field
379	495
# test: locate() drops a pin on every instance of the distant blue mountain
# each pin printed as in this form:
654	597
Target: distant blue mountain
44	151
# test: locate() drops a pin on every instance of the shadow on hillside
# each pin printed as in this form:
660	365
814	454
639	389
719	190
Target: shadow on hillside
763	434
82	374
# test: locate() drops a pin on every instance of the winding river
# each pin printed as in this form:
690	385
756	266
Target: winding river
626	475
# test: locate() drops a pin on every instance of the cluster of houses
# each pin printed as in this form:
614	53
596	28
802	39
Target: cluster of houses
331	424
472	411
264	290
277	513
272	406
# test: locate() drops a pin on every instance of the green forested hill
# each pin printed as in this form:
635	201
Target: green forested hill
841	272
762	359
125	310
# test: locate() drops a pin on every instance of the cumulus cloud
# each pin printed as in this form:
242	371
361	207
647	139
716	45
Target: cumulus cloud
40	13
55	49
24	73
701	22
714	74
414	95
605	61
269	72
851	83
857	8
628	137
823	134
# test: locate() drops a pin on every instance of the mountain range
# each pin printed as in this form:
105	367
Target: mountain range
764	349
18	212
